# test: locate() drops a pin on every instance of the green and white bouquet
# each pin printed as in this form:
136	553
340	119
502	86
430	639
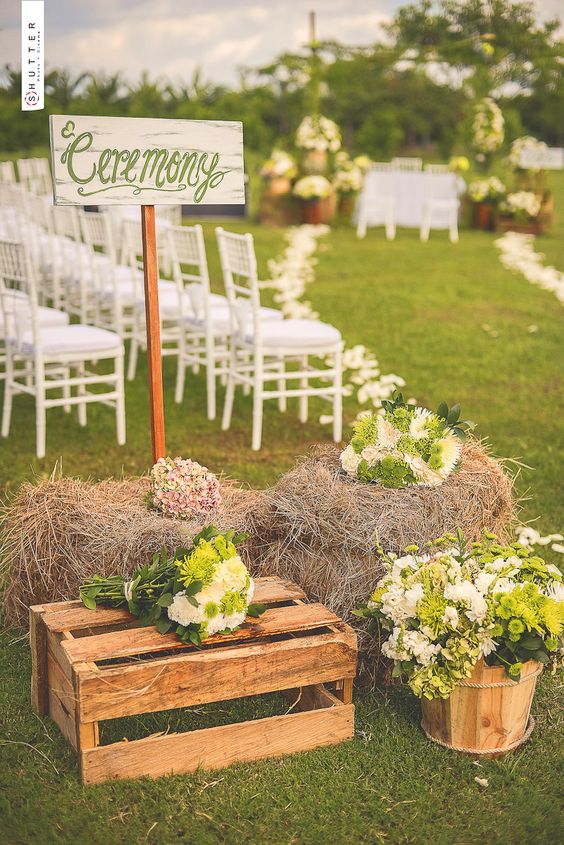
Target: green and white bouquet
318	133
407	445
348	180
439	613
488	127
198	591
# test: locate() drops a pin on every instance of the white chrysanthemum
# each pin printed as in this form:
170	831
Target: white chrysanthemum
450	616
418	424
350	460
466	593
555	591
450	453
373	454
234	620
484	580
504	585
184	612
232	574
422	471
388	436
213	592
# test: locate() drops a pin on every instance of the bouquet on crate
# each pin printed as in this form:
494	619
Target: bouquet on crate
407	445
198	591
439	613
182	488
523	206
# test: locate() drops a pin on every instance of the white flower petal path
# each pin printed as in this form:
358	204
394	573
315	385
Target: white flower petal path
290	275
518	253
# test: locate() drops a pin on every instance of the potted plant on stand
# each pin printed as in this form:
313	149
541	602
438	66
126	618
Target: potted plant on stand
318	136
485	194
313	190
469	626
347	181
278	171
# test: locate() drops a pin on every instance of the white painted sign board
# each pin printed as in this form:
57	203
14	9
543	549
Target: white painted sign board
551	158
146	161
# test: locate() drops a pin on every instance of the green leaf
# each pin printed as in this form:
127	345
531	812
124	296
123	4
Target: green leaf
442	410
255	610
453	414
88	601
165	600
194	588
164	624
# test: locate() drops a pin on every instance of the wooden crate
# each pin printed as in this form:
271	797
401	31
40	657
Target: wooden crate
93	665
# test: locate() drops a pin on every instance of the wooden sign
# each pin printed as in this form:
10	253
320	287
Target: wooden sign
146	161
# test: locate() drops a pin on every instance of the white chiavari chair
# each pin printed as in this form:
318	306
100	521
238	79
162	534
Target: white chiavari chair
441	205
261	349
58	356
377	202
407	163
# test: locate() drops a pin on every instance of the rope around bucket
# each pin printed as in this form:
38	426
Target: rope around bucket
502	683
511	747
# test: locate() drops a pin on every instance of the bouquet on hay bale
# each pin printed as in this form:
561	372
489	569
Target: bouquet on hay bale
407	445
464	618
197	592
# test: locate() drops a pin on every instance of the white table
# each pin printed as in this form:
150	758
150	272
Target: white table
410	191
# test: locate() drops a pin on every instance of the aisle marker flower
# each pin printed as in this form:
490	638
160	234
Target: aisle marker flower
408	445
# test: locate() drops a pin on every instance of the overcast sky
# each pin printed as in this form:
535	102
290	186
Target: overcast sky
172	37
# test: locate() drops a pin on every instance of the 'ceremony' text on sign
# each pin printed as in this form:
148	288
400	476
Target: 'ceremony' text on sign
146	161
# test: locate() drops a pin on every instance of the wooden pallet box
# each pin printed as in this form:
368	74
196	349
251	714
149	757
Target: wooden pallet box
88	666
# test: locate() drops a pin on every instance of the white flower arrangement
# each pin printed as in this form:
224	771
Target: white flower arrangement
348	180
318	133
280	164
523	147
182	487
312	187
406	446
524	205
440	612
486	190
488	126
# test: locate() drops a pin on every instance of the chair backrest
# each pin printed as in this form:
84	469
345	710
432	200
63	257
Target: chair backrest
441	186
66	222
96	228
378	184
437	168
170	214
7	172
187	253
407	163
18	293
239	267
382	166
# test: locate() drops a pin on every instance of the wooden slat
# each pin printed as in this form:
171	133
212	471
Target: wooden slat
202	676
62	701
72	615
133	641
39	673
213	748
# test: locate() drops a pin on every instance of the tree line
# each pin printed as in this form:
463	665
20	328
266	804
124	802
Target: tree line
415	90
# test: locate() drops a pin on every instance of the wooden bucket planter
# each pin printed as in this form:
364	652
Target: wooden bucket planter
89	666
487	714
509	224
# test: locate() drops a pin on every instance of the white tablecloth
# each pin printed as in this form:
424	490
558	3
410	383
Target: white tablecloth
409	191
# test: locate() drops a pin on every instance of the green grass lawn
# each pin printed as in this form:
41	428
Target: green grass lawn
456	325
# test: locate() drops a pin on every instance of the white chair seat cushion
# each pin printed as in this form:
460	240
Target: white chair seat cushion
46	317
67	340
299	334
220	317
168	302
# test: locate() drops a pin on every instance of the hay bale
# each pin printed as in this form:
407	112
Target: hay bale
57	532
322	523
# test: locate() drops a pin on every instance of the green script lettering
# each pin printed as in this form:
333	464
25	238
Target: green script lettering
70	152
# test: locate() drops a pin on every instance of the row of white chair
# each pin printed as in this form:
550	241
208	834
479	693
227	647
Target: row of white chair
69	259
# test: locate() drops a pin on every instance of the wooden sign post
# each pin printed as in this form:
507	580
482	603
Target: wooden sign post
147	162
